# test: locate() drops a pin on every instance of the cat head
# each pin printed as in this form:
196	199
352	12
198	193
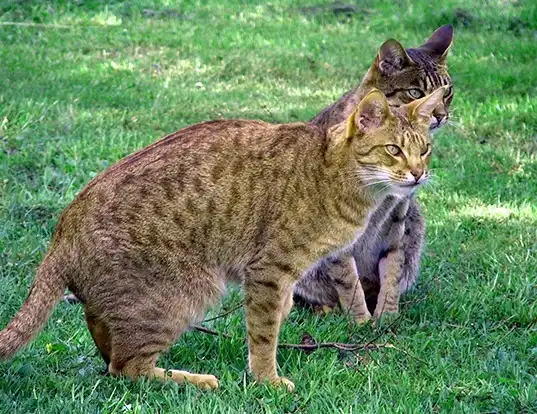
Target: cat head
406	75
390	147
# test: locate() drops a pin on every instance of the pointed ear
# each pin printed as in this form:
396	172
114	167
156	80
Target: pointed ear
422	109
372	113
439	43
392	57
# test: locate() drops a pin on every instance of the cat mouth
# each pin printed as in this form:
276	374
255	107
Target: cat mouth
437	122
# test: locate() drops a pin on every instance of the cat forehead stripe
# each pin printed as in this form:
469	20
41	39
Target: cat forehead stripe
410	136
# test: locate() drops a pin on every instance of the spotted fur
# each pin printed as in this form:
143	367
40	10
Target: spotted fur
151	242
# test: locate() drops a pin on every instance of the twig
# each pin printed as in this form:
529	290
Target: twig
30	24
349	347
203	329
233	309
337	345
312	347
210	331
408	354
386	329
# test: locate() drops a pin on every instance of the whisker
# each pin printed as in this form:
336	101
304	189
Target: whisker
377	182
368	176
458	126
380	190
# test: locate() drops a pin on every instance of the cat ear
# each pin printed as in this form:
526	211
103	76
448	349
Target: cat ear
422	109
372	113
392	57
439	43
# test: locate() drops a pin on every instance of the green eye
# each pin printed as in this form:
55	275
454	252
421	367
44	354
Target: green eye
415	93
426	150
393	150
448	91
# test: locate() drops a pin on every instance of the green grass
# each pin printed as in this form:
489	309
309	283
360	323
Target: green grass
91	83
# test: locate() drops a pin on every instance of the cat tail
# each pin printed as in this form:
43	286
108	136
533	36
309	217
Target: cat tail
46	291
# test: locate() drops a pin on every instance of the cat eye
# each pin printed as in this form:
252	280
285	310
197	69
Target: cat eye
426	150
415	93
448	91
394	150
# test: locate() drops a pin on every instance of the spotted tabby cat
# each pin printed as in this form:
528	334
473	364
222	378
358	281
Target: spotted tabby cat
388	253
151	242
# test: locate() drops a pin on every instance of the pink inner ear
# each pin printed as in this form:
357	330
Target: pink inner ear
365	122
386	66
390	65
362	123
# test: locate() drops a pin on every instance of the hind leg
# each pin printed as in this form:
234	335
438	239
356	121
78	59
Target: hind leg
144	321
203	381
135	352
100	334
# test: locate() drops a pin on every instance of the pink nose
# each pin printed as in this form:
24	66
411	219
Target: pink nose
417	173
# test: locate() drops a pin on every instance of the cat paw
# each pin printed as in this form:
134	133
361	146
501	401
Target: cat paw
363	319
70	298
323	310
204	382
283	382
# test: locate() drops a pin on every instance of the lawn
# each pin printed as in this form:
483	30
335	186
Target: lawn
83	84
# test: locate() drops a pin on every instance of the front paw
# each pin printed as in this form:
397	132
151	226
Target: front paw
323	310
362	318
283	382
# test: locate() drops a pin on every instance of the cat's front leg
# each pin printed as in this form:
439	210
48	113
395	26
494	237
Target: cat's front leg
391	266
288	302
390	269
268	299
344	276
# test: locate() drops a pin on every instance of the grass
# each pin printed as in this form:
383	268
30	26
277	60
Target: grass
87	83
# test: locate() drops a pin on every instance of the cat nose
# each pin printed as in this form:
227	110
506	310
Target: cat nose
417	173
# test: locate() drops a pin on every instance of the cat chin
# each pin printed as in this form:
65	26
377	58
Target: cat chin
394	190
401	191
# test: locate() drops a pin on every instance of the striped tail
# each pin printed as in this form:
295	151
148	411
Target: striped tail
47	289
